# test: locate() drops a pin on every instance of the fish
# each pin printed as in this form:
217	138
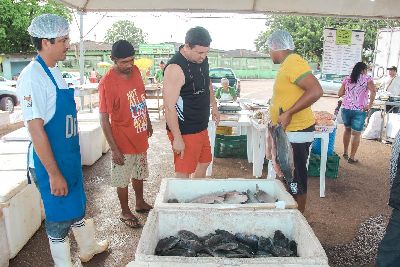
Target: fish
251	197
187	235
265	244
284	153
209	198
235	198
263	196
273	151
166	244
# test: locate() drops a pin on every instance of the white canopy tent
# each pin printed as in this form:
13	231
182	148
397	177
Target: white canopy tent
378	9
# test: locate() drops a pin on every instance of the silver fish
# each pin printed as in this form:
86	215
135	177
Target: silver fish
263	196
284	153
235	198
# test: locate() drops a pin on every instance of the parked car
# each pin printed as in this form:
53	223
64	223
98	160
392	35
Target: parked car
72	78
4	81
330	87
8	98
216	74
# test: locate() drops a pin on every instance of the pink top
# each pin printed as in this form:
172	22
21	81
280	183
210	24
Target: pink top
356	94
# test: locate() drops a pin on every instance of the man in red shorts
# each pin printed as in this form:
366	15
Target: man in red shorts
187	95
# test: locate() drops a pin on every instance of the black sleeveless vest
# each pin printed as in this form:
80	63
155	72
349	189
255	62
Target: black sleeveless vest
193	106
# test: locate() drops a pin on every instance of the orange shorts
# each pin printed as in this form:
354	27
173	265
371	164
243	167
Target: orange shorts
197	150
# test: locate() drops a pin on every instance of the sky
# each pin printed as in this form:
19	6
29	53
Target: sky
228	30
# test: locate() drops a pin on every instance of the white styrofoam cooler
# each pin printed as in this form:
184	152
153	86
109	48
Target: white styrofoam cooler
21	205
393	125
188	189
162	223
90	140
4	249
94	117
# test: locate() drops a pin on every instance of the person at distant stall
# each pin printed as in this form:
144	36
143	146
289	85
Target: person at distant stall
93	76
392	83
355	89
295	90
160	73
225	92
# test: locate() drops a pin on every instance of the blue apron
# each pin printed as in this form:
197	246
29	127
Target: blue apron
62	132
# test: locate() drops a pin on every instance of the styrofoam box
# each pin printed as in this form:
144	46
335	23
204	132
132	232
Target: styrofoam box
393	125
21	134
21	205
90	140
94	118
13	162
185	190
4	250
162	223
14	147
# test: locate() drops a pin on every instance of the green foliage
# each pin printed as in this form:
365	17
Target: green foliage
125	30
307	32
16	16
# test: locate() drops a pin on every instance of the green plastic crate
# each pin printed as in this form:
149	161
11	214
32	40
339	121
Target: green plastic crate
332	165
230	146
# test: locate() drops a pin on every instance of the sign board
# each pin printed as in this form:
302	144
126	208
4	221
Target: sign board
342	50
156	49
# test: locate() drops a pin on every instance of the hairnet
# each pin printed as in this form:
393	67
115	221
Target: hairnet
280	40
48	26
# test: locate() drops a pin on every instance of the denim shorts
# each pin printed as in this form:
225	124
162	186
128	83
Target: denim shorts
354	119
55	229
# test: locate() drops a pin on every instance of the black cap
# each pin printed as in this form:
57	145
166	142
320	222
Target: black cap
392	68
122	49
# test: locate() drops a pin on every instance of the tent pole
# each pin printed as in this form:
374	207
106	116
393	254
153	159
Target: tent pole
81	56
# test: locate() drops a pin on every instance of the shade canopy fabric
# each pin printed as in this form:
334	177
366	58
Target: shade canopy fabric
345	8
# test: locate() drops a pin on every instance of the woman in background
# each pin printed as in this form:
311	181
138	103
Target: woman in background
355	104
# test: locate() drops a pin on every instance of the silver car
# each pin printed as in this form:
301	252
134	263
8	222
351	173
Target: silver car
8	98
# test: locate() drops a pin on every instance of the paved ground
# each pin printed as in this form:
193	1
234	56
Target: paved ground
360	192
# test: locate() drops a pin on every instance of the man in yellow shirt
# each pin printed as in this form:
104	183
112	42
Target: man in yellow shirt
295	90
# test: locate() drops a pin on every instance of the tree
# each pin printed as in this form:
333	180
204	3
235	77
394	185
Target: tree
16	16
125	30
307	32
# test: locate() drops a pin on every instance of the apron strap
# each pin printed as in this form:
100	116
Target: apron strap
46	69
28	175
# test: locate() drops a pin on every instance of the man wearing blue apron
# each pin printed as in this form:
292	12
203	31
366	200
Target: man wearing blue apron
50	115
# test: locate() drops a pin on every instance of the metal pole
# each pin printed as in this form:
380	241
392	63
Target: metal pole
81	56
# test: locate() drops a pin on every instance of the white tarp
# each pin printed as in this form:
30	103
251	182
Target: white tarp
347	8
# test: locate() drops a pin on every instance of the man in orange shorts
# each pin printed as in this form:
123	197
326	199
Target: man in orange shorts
188	93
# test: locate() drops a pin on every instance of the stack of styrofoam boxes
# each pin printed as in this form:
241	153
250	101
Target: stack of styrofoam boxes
90	140
263	219
93	118
4	249
20	202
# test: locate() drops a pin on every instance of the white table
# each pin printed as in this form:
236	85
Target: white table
244	125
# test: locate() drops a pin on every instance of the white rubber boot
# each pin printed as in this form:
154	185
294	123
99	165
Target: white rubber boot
88	246
61	253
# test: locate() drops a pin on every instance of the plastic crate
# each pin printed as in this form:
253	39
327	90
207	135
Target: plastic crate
224	130
316	145
332	166
230	146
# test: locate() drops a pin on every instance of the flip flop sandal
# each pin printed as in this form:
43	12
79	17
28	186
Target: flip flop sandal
345	156
131	222
352	161
143	210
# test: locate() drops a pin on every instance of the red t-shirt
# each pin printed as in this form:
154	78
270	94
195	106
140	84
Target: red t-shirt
125	101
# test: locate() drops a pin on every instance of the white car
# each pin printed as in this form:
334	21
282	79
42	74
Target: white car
8	98
73	79
4	81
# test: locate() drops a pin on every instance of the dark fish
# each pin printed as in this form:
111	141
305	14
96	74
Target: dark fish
249	240
263	254
166	244
226	246
265	244
293	248
284	152
187	235
172	200
215	240
278	251
280	239
191	245
179	252
245	251
263	196
227	235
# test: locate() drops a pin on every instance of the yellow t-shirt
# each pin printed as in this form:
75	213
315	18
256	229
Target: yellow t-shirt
287	92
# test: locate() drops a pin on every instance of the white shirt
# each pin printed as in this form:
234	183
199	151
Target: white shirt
393	86
37	94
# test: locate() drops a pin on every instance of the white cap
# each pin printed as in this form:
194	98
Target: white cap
280	40
48	26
